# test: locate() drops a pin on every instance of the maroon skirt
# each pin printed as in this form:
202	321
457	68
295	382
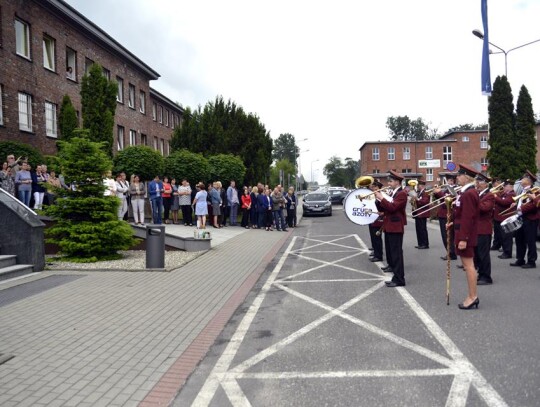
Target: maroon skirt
468	252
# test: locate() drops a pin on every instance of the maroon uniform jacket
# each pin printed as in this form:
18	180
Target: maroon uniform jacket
441	210
529	209
466	217
395	218
422	204
502	203
485	217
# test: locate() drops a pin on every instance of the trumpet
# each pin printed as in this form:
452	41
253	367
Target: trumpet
497	189
533	190
362	197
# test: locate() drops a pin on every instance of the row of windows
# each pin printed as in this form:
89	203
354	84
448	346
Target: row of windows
22	35
158	144
25	115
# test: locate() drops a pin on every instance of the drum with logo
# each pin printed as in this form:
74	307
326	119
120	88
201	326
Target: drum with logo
359	207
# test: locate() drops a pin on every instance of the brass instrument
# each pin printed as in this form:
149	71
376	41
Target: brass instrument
361	197
440	201
497	189
533	190
364	181
412	183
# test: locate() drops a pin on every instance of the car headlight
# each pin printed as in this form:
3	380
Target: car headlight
328	204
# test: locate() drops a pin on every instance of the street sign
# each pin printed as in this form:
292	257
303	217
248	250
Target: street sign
429	163
450	166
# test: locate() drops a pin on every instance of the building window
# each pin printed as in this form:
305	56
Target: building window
142	102
120	138
376	171
154	111
22	38
71	64
375	154
87	64
406	153
484	142
120	93
25	112
429	174
1	106
48	53
51	125
106	73
465	139
484	163
168	147
155	143
429	153
133	137
160	111
447	155
176	120
144	140
171	120
406	171
166	118
391	153
162	146
131	96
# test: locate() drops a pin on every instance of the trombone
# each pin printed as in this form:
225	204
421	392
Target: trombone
440	201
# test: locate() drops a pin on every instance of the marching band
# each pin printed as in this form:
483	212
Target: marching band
470	216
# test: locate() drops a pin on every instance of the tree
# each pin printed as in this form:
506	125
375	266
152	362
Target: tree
287	168
467	127
404	129
67	119
351	171
98	99
226	167
285	148
502	140
185	164
26	152
525	133
87	228
140	160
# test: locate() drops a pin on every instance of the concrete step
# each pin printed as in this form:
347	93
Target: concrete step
16	270
7	260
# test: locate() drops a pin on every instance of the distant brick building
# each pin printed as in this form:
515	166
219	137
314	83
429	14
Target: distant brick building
46	47
430	157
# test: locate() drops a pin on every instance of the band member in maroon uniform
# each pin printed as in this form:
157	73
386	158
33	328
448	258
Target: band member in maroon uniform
375	229
526	235
438	193
503	200
485	230
465	230
393	205
422	208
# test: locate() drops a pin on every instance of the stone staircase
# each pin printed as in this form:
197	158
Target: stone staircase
10	269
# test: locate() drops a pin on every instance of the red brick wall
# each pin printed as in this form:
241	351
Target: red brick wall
18	74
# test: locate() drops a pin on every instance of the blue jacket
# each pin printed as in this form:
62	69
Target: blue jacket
154	189
263	202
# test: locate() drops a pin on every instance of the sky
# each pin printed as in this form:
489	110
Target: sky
328	72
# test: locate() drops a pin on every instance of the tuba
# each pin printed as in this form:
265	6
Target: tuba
364	181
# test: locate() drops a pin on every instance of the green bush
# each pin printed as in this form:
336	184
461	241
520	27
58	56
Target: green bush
21	150
140	160
185	164
226	167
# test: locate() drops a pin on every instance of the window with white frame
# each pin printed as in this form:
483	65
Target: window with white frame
131	96
22	38
120	138
154	111
484	162
484	141
120	92
375	154
142	102
376	171
429	174
133	137
406	153
25	111
160	111
162	146
144	140
1	105
166	118
406	171
447	155
168	147
106	73
155	143
429	153
51	124
49	45
171	120
465	139
71	64
391	153
87	64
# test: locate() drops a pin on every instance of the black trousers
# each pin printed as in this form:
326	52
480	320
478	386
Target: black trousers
186	214
526	241
442	226
497	234
421	231
376	242
482	257
394	255
507	242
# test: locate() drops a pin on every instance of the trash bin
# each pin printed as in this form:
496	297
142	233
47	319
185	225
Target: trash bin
155	247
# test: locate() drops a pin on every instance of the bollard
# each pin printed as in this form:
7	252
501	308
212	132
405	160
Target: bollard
155	247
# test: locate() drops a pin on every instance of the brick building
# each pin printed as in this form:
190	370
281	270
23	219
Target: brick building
428	158
46	47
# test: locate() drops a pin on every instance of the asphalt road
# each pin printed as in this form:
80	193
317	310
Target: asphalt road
321	329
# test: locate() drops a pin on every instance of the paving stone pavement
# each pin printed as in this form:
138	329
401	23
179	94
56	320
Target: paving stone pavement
108	338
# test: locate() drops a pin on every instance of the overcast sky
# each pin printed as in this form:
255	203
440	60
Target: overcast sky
331	72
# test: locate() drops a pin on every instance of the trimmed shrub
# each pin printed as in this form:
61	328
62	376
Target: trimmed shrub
140	160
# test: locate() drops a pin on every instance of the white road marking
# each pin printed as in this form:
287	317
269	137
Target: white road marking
343	374
35	273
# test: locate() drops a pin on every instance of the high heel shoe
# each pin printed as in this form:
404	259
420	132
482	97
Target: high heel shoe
472	305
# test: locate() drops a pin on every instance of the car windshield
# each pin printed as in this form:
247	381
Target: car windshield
336	192
316	197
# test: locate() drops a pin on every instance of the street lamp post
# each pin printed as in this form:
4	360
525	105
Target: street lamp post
480	35
314	161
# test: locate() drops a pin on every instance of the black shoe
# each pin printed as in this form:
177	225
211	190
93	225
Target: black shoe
504	256
529	266
391	284
472	305
423	247
494	248
387	268
484	282
374	259
451	258
517	264
459	266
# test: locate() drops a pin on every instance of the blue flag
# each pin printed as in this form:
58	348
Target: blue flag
486	74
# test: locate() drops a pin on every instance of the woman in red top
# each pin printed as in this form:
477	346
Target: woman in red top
167	199
246	206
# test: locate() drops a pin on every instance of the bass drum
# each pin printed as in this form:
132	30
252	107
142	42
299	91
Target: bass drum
360	211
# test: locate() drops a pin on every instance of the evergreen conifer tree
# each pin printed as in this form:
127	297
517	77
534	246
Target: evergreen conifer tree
525	133
67	119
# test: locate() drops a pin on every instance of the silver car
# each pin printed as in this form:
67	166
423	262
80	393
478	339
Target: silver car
317	203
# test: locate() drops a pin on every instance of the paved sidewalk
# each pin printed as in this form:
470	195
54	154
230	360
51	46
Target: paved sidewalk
118	338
